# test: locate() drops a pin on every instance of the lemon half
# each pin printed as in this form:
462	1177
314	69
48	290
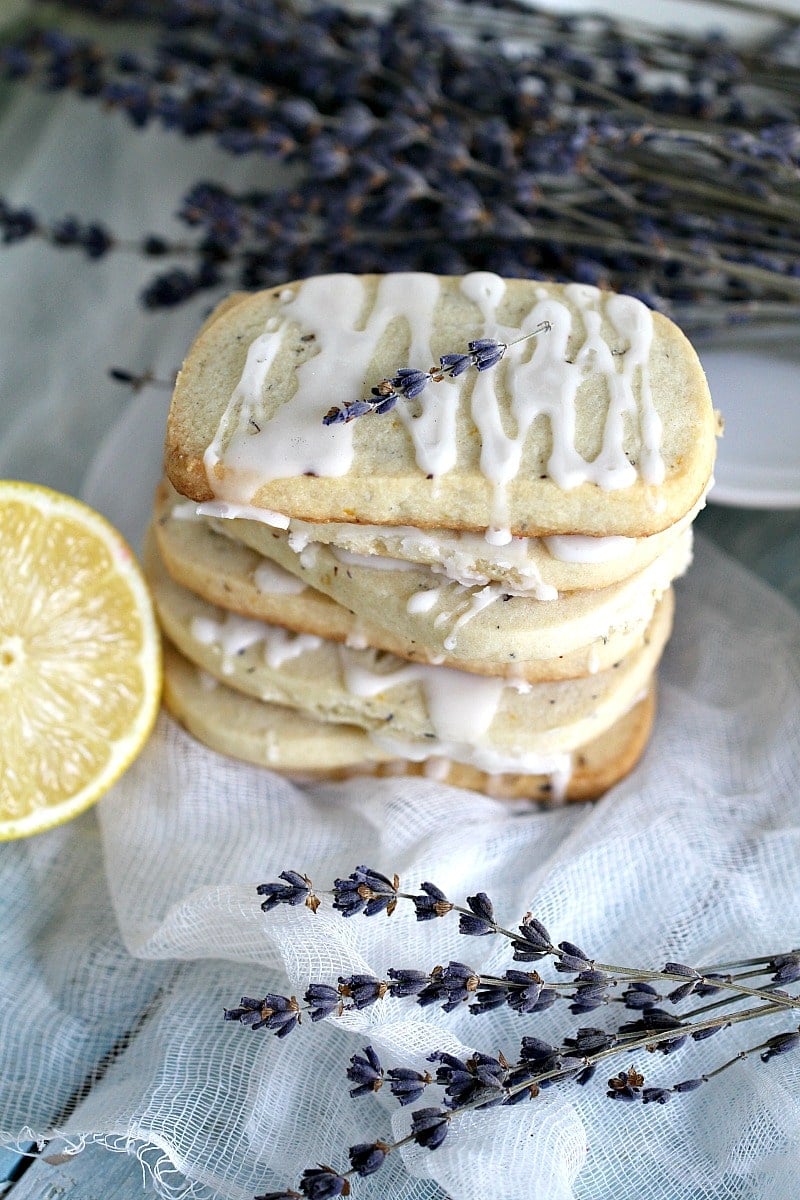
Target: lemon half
80	658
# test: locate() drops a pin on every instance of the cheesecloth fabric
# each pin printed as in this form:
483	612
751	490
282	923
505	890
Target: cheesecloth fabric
127	933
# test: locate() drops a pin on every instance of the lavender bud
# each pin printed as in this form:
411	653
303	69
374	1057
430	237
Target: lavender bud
707	988
279	1014
455	364
672	968
429	1127
406	1085
363	990
432	904
364	891
323	1183
409	382
486	353
572	958
655	1095
786	967
322	1000
357	408
640	995
532	943
296	889
782	1043
688	1085
366	1072
681	992
406	982
482	922
700	1035
366	1158
534	1050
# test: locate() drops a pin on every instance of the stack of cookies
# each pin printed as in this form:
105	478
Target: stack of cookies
365	563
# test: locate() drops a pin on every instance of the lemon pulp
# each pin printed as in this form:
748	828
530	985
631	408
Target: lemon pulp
80	658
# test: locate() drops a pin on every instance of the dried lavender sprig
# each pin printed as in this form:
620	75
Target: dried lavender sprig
409	382
482	1081
253	32
369	892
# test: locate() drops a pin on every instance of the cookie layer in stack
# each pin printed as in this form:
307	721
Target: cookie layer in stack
474	583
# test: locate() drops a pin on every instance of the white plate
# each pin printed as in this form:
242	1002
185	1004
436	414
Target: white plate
758	464
758	393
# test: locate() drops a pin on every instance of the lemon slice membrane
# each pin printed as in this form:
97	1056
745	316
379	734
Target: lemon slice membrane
80	658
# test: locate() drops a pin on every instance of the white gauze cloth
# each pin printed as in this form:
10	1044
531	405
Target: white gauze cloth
143	917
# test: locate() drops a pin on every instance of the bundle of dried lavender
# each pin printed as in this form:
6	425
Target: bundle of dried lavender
583	986
454	137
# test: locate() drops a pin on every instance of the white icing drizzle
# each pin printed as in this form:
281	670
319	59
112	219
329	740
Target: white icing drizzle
356	638
298	539
538	377
459	709
272	579
478	601
186	511
246	512
375	562
575	548
426	600
308	556
294	441
235	634
282	645
557	767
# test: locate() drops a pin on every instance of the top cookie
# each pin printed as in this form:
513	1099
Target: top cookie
600	425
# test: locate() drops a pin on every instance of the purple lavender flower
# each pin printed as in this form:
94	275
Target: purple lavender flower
279	1014
626	1086
429	1127
323	1183
365	891
368	1157
640	995
781	1043
407	982
689	1085
410	382
482	922
524	997
486	353
432	903
366	1072
572	958
322	1000
407	1085
533	941
589	1039
295	889
455	364
363	990
479	1077
785	967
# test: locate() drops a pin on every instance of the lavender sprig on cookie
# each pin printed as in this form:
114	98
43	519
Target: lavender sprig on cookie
409	382
742	990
